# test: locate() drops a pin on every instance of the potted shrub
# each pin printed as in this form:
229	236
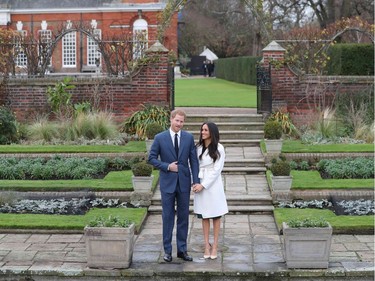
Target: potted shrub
152	130
281	178
142	177
109	242
272	136
307	243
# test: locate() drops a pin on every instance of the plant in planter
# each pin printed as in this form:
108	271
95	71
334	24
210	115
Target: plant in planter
272	136
152	130
281	178
307	243
142	177
109	242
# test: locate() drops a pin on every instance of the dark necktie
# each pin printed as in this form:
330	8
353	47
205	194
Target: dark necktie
176	144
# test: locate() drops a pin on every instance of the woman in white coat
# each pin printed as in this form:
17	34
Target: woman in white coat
209	197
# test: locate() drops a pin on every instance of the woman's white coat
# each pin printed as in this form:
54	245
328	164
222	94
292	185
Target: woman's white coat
211	201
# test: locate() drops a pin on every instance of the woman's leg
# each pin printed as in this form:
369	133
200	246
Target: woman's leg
216	227
206	234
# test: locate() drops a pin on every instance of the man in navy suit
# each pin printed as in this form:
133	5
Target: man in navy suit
173	153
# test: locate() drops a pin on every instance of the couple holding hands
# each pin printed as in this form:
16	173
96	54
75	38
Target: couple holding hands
184	168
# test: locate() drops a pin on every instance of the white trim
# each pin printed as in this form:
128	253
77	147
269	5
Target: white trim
154	8
119	26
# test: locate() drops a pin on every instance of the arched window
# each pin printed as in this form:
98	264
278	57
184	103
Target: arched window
140	38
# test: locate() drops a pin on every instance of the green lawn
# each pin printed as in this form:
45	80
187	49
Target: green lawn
69	222
340	224
296	146
132	146
214	92
312	180
114	181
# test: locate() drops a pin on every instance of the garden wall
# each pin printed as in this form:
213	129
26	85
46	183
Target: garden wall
302	95
121	96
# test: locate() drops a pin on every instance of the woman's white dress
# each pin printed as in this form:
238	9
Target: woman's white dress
211	201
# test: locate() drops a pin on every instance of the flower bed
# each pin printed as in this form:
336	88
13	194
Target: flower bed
358	207
74	206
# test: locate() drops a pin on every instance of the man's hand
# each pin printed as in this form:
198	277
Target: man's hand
173	167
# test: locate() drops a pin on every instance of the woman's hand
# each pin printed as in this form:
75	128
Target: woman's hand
197	188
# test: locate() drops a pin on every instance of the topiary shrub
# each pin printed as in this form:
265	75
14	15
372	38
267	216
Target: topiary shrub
153	129
8	128
142	169
272	130
280	167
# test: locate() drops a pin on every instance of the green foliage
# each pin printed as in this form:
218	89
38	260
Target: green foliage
142	169
82	107
351	59
347	168
8	129
287	125
272	130
280	167
307	222
59	97
92	126
355	109
43	129
299	165
139	120
239	69
54	168
110	221
153	129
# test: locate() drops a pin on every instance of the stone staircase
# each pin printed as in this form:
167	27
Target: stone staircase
244	177
235	129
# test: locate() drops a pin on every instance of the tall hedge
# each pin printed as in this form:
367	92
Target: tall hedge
351	59
238	69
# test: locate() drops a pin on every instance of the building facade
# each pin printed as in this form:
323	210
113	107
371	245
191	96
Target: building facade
76	51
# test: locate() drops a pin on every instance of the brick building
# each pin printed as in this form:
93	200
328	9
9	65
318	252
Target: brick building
76	51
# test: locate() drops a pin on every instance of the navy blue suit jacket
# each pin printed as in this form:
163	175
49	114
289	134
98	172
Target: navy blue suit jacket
188	164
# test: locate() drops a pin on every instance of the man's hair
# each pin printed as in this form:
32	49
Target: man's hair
178	112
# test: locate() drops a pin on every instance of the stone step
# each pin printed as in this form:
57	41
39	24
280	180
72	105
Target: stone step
227	126
244	170
230	163
239	142
232	200
217	118
236	135
252	209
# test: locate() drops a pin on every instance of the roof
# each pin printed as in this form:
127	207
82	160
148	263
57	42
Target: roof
209	54
98	5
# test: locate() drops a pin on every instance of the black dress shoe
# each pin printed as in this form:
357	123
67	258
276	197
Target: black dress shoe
167	257
184	256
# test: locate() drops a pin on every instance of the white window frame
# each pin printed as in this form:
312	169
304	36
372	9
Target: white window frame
21	58
140	29
69	50
45	36
92	48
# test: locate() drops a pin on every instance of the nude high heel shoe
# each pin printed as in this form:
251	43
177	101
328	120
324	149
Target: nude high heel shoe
213	254
209	255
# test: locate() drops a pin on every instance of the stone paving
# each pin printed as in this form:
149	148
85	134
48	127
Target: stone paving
251	248
250	245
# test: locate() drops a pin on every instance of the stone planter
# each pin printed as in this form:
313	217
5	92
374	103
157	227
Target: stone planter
307	247
148	145
142	184
281	184
109	247
273	146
